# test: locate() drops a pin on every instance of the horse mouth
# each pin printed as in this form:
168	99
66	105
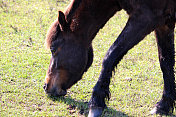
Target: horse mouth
55	92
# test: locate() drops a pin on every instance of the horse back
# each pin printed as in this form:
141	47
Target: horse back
158	7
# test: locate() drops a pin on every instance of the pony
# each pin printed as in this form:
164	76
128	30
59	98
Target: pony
70	41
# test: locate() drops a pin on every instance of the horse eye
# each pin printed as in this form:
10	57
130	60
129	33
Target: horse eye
53	50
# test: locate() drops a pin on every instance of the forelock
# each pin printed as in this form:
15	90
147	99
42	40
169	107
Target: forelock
51	34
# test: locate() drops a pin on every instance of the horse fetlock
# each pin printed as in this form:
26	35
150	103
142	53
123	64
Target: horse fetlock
98	98
163	107
95	112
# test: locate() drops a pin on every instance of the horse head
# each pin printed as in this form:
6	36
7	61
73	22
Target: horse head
69	58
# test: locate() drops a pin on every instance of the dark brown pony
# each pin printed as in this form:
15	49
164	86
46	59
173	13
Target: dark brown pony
71	35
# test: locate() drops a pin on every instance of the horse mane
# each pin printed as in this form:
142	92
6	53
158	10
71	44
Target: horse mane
51	34
71	8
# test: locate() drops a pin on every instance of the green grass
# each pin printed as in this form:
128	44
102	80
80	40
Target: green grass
24	61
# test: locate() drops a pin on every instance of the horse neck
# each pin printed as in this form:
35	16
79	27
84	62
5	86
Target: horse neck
89	16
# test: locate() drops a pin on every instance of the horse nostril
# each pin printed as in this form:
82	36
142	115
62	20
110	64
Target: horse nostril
45	86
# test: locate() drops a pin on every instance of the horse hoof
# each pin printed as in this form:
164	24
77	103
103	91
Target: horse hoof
155	110
95	112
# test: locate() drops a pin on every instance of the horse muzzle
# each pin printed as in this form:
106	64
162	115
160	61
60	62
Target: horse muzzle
57	92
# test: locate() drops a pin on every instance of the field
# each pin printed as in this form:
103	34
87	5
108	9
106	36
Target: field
135	88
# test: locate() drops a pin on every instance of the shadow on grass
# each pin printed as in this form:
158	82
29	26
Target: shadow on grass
83	107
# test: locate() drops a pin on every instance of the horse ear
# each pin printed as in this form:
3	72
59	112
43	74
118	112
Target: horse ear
62	20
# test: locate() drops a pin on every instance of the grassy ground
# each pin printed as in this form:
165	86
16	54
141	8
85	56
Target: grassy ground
135	88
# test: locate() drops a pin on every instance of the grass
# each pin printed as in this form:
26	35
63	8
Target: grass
24	61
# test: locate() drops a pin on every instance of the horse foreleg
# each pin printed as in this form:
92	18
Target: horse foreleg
165	41
137	27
